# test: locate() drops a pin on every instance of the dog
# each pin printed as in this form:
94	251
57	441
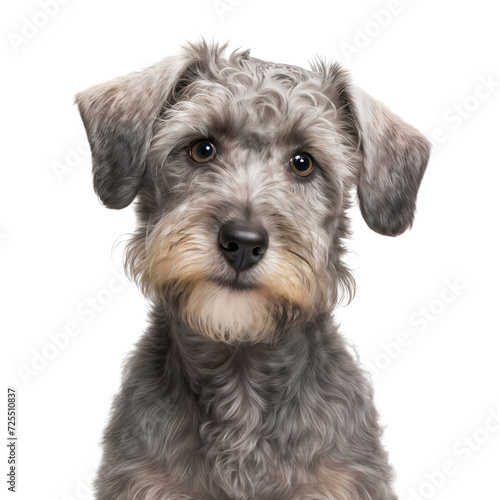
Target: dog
242	387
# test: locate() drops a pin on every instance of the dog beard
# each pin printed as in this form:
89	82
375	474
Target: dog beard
231	315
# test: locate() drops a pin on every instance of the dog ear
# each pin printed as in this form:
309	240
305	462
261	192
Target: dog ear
395	156
118	118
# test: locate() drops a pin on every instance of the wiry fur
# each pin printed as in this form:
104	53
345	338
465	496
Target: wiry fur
242	387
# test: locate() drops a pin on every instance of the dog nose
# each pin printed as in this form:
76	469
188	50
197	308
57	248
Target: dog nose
242	245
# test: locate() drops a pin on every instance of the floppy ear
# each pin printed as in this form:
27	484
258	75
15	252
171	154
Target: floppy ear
118	118
395	156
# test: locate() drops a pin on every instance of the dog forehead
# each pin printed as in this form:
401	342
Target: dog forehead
261	103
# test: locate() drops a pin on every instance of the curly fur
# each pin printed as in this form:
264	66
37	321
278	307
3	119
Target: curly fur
242	387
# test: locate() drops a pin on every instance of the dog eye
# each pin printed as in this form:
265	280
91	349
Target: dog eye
202	151
302	164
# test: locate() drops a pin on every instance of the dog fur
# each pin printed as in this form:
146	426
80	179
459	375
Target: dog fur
242	387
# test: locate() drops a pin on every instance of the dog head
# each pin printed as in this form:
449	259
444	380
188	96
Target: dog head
243	172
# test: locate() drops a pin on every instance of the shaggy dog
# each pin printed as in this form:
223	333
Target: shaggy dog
242	171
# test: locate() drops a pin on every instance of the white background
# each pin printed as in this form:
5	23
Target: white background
426	61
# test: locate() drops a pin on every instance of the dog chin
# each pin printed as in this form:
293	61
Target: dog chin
229	312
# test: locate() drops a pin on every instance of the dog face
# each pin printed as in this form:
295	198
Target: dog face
243	172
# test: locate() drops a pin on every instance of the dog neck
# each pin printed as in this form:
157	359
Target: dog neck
265	369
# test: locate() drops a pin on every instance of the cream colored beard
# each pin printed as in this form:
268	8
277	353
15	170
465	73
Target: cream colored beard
229	315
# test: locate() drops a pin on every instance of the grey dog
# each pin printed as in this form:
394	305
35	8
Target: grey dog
242	171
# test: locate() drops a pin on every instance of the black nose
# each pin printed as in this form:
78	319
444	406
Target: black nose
242	244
